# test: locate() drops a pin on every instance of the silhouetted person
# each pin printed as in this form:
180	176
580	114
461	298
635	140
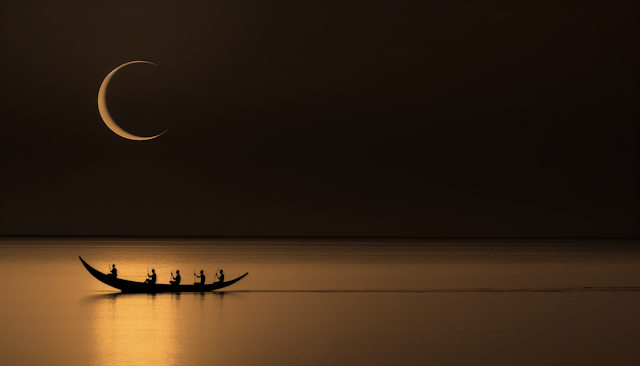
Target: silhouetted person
176	278
114	272
221	277
153	277
201	277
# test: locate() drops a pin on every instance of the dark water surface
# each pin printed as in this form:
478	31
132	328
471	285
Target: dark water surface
324	301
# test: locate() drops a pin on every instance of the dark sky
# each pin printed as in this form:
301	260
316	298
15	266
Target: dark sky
339	118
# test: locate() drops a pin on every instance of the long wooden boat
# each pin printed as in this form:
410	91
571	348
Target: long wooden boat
132	286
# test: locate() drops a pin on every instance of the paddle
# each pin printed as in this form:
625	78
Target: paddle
216	273
194	276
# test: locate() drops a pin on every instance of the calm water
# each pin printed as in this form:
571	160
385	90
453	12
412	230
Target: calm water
326	302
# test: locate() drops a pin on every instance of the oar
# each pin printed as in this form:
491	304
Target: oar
216	276
194	276
109	267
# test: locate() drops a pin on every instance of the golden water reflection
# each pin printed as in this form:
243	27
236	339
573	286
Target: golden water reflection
317	304
135	329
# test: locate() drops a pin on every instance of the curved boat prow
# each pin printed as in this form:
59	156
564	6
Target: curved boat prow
107	279
229	283
97	274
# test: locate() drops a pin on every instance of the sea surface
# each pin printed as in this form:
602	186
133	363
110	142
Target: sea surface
324	302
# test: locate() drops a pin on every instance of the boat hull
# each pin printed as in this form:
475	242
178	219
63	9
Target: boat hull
132	286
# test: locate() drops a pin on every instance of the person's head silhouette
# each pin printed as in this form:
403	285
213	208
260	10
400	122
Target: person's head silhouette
201	271
177	271
153	271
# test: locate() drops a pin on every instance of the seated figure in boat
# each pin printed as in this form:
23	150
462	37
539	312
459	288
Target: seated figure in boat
176	278
114	272
221	277
151	280
201	277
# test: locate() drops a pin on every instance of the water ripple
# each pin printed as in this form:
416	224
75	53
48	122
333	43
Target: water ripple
542	289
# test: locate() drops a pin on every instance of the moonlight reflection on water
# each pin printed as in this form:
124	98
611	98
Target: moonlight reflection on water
338	302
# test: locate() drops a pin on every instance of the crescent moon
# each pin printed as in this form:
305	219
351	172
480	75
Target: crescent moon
104	112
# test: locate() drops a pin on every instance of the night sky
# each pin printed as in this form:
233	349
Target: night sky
321	118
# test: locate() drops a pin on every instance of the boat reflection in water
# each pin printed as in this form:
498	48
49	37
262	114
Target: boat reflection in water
135	329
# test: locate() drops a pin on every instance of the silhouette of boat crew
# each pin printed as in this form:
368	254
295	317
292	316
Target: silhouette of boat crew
201	277
221	277
114	272
176	278
153	277
127	286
